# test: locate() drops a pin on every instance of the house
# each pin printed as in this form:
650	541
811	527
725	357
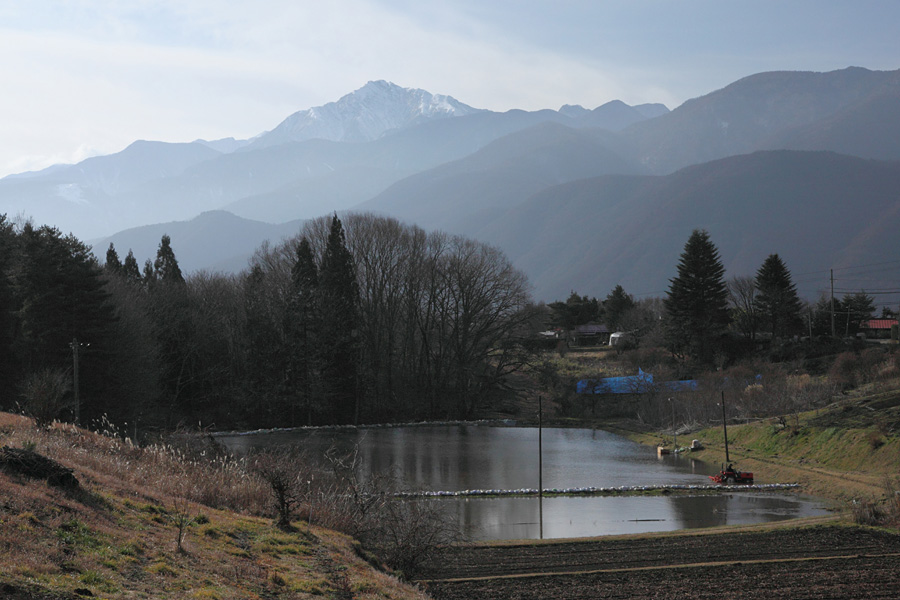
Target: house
590	334
877	328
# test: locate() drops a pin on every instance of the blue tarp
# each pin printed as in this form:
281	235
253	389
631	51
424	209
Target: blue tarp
634	384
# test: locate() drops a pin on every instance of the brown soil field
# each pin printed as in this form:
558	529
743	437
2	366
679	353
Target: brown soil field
822	561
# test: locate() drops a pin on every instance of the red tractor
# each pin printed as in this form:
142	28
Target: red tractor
730	476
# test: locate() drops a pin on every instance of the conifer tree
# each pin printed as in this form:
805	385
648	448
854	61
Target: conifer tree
166	265
113	264
149	276
61	298
339	339
697	301
776	301
302	327
7	324
130	269
617	303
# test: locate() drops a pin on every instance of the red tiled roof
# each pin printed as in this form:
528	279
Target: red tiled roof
878	323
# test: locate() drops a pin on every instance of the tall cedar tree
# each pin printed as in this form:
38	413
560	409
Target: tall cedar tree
617	303
130	269
697	302
166	266
170	312
339	340
7	324
776	302
267	352
113	264
301	329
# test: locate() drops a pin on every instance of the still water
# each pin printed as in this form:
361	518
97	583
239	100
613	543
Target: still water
462	457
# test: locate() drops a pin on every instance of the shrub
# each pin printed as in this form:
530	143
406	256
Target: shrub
882	512
285	471
875	439
44	395
844	371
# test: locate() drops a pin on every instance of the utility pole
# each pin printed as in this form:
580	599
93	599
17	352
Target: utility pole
541	463
74	345
832	303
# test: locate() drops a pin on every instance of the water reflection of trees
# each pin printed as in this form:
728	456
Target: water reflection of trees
691	512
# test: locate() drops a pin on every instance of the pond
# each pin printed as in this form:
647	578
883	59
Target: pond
464	457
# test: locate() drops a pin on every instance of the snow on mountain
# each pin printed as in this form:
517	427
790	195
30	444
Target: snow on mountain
365	115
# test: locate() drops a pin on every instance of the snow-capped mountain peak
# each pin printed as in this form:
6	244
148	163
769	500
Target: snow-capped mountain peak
365	115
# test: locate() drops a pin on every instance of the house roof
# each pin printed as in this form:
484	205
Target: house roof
878	323
591	329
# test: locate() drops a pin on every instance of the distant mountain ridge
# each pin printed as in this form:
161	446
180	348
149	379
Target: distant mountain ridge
271	179
364	115
815	209
580	199
750	113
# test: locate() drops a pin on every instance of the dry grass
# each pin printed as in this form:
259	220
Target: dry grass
119	536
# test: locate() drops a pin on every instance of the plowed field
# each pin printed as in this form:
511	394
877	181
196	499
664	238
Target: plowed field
812	562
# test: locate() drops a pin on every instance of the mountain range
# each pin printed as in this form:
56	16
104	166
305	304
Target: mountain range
798	163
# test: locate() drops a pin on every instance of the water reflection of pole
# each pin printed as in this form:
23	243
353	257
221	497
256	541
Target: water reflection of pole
541	463
725	428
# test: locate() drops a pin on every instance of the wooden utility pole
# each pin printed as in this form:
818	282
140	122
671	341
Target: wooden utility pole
74	345
832	303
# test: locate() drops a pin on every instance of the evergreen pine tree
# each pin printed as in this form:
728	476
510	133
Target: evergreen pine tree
149	277
113	264
130	269
776	301
60	297
697	301
166	265
339	343
617	303
8	244
301	328
267	351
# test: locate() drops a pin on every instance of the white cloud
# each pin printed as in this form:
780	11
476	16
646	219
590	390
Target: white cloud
106	73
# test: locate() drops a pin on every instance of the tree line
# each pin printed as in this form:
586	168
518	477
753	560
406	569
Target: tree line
352	321
704	317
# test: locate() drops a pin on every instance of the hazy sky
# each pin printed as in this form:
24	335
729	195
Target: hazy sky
87	77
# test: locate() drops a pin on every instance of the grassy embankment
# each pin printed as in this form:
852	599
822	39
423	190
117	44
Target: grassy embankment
117	536
844	452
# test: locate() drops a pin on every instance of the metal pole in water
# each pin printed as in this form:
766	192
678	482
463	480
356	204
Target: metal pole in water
725	428
541	463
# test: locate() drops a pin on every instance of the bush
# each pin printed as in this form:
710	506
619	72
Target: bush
404	533
409	534
285	471
44	395
882	512
844	371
